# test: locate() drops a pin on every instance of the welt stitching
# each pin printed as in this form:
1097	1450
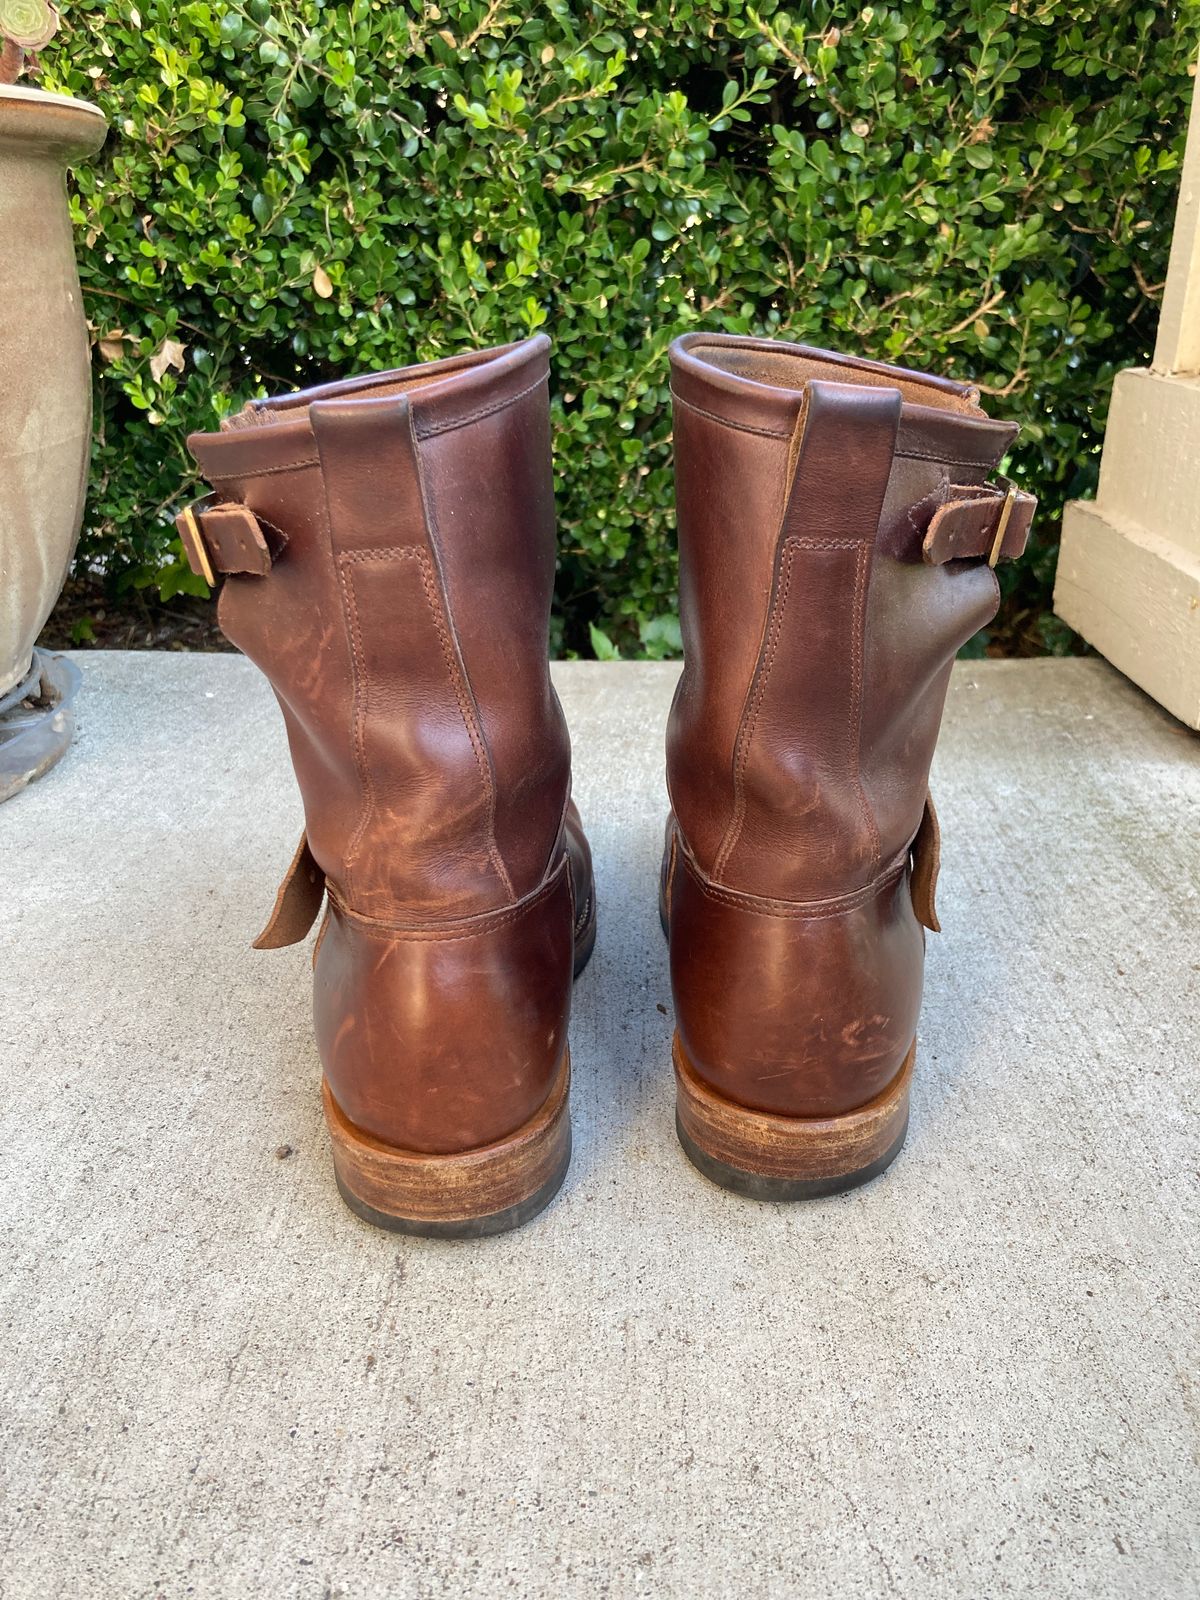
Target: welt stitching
750	717
854	721
432	428
726	422
263	472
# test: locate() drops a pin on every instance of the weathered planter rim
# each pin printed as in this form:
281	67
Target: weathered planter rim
71	128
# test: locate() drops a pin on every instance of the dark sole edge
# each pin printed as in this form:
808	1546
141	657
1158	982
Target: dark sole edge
585	943
467	1227
754	1186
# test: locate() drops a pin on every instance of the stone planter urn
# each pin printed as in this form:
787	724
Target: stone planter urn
45	415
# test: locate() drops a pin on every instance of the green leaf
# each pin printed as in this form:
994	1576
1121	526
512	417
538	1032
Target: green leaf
977	190
602	646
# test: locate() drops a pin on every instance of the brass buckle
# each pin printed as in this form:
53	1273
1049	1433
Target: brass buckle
1002	525
193	543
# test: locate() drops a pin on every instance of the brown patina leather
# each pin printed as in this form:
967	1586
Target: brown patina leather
389	551
835	530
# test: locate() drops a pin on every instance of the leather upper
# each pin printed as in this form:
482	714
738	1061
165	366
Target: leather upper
389	550
835	528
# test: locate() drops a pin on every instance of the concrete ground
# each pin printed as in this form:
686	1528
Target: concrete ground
976	1377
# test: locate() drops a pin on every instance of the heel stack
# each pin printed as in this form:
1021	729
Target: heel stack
463	1196
771	1157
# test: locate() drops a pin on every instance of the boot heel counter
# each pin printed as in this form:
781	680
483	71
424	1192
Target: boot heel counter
797	1010
446	1037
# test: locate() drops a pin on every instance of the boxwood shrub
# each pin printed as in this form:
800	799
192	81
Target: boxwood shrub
295	190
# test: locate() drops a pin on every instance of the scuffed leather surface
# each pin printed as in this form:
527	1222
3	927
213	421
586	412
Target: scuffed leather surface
818	645
448	1036
803	1011
802	827
403	627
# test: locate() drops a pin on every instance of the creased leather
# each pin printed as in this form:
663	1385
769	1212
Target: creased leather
447	1035
818	643
802	1011
403	626
801	821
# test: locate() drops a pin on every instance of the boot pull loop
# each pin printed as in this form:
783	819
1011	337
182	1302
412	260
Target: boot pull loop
297	902
221	536
980	520
926	851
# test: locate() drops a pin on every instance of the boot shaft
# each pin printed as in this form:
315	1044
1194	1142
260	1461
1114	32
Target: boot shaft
835	530
388	552
401	615
819	631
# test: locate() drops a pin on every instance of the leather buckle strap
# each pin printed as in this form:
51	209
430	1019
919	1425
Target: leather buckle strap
980	520
223	536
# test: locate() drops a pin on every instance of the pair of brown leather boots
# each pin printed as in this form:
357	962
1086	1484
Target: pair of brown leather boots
388	548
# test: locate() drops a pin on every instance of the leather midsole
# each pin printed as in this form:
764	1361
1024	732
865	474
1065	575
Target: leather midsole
470	1183
790	1147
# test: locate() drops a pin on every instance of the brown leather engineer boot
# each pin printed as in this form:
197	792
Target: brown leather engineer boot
388	548
836	537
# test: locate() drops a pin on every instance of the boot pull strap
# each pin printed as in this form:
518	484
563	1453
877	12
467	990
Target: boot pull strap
297	903
980	519
926	852
223	536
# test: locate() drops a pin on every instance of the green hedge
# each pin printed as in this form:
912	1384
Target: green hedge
297	190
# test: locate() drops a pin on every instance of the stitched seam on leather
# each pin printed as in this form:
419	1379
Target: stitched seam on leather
350	602
263	472
434	428
428	583
854	720
750	715
799	910
758	692
469	711
386	552
952	461
439	602
727	422
460	928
